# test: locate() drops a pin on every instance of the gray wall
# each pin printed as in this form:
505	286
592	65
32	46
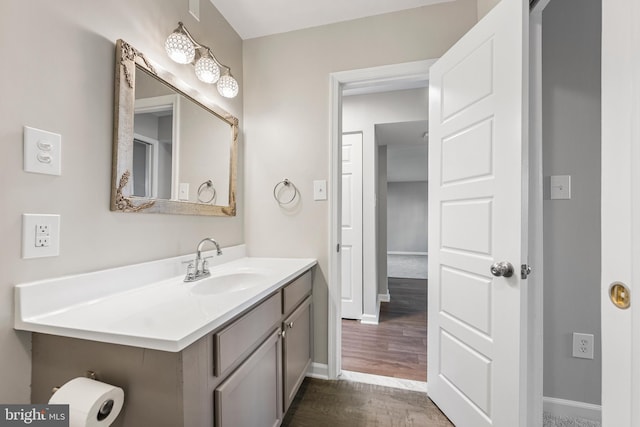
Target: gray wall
58	74
407	216
287	120
571	134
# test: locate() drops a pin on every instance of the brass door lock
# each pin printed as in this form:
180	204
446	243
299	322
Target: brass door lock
620	295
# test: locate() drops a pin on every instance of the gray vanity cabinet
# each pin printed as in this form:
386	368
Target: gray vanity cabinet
296	347
243	374
252	395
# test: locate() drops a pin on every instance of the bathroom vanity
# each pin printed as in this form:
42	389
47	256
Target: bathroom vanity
226	352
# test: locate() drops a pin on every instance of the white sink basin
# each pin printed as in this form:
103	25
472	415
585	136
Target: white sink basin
227	283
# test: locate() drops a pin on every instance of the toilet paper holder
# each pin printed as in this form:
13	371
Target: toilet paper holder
88	374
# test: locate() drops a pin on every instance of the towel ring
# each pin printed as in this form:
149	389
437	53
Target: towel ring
207	185
279	186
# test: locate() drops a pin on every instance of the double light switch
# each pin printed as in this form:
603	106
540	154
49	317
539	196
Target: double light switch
42	151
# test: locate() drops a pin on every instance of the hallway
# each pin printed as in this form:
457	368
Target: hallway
397	346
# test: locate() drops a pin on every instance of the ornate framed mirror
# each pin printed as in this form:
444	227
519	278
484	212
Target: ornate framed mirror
173	152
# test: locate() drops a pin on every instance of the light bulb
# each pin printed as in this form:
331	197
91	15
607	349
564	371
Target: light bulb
228	86
207	70
179	48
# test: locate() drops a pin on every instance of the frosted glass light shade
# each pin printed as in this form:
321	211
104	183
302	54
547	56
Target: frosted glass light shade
179	48
207	70
227	86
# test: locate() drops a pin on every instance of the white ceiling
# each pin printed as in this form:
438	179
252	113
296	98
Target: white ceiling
256	18
402	133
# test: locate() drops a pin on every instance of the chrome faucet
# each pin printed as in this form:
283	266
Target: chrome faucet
201	268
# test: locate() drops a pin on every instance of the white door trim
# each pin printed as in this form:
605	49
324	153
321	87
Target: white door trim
376	76
535	290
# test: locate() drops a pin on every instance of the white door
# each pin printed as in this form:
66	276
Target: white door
477	207
351	248
620	211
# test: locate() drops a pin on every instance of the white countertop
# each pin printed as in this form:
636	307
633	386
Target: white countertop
148	305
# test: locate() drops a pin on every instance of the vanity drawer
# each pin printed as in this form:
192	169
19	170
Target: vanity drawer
237	339
295	292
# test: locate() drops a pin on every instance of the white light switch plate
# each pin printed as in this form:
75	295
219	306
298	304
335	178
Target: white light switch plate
560	187
40	235
320	190
183	191
42	151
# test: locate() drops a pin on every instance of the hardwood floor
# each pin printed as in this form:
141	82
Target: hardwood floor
397	346
321	403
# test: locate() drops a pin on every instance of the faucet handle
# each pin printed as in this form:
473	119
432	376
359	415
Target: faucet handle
191	271
205	265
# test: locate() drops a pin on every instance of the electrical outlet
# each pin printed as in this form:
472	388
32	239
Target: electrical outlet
40	235
42	229
583	345
43	241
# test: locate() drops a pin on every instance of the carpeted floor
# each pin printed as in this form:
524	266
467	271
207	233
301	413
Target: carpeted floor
550	420
321	403
407	266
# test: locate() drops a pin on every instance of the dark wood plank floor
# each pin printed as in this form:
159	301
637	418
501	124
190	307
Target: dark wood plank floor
397	346
321	403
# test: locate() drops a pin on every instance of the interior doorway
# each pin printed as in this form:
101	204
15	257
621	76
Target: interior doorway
380	80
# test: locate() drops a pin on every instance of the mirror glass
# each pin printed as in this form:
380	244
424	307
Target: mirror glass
175	153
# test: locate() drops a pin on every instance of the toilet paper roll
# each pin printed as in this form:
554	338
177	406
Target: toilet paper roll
91	403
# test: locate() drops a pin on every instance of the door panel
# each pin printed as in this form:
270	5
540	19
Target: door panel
466	297
620	207
477	123
352	226
468	154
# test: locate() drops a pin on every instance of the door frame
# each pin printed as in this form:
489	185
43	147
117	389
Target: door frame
386	75
535	287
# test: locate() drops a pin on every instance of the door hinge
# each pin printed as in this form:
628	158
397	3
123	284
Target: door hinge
525	271
338	247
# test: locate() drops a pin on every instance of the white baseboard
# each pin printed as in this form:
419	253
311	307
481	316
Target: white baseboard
372	319
572	409
407	253
318	370
384	297
369	319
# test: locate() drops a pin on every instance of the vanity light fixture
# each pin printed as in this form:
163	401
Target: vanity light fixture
184	49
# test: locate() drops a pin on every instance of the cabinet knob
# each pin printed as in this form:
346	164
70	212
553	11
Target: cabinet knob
283	333
290	325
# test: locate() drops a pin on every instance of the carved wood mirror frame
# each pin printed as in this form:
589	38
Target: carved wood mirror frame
122	200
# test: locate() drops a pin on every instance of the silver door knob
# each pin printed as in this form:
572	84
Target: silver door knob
502	269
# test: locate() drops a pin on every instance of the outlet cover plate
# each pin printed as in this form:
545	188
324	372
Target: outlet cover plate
31	223
583	345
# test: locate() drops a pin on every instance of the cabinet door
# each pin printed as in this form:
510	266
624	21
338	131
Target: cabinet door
252	395
297	350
